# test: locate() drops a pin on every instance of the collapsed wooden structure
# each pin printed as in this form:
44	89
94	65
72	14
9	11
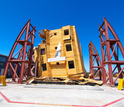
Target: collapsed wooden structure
59	55
70	81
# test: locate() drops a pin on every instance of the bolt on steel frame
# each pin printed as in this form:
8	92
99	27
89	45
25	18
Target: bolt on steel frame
95	62
22	58
110	53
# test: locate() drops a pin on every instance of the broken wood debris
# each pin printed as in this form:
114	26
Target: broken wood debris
77	81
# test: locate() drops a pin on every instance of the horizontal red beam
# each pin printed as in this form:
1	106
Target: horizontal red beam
18	61
23	41
115	62
96	67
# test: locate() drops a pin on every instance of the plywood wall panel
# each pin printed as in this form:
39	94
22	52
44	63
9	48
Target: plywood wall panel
52	41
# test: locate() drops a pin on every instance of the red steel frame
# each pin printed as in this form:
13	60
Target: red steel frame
95	62
34	65
110	48
24	57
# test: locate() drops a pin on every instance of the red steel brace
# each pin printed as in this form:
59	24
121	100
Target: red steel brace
21	60
95	62
107	46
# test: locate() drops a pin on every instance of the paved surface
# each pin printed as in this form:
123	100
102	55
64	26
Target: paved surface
21	95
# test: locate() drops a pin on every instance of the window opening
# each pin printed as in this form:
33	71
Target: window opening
71	64
44	67
68	47
42	51
3	59
66	32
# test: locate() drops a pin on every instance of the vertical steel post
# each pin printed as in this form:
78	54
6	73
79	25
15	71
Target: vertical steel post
108	54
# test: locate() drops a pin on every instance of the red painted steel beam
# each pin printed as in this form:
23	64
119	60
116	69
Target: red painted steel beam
107	46
20	59
94	59
34	65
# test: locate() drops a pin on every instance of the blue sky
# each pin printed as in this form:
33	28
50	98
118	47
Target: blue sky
86	15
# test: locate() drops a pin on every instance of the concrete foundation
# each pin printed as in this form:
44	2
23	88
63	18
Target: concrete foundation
39	95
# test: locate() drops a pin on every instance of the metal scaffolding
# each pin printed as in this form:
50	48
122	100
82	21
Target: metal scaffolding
95	62
110	49
20	56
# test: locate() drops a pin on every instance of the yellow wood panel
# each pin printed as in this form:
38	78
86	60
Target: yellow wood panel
79	52
70	58
58	70
53	48
55	31
77	67
72	71
60	66
59	73
67	42
48	69
64	77
43	60
66	27
39	69
69	53
55	40
45	73
52	55
36	54
60	62
63	46
75	49
55	37
52	52
66	37
43	45
43	57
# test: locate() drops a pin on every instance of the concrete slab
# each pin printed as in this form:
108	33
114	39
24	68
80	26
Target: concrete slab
60	95
77	87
